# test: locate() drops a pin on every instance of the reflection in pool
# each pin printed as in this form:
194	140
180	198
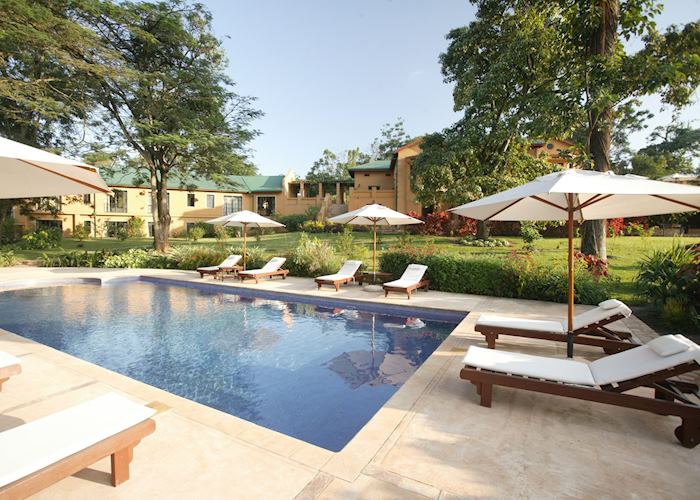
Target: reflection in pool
312	372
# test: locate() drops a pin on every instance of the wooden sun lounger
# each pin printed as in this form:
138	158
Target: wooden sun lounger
269	270
590	328
228	266
9	367
485	368
68	441
412	279
347	274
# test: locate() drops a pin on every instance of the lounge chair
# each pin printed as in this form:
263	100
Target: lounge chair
346	274
229	265
42	452
9	366
411	279
605	380
589	327
272	268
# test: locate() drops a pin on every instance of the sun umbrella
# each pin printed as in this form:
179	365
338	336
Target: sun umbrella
27	172
583	195
243	219
374	215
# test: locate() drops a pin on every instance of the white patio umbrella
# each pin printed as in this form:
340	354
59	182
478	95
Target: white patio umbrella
27	172
374	215
243	219
583	195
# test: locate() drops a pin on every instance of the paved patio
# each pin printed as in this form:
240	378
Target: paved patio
431	439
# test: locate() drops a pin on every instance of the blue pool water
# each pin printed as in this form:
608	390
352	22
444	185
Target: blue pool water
314	372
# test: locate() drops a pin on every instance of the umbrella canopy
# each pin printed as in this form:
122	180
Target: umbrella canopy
374	215
27	172
583	195
243	219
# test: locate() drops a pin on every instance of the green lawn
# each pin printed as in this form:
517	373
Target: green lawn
624	253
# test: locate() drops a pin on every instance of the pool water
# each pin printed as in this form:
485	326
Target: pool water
313	372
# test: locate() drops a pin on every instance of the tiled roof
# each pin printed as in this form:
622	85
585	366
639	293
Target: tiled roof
377	165
237	183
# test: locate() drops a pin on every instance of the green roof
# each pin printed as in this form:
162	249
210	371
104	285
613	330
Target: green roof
236	184
377	165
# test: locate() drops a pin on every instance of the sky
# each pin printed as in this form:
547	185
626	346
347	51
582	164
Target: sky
330	73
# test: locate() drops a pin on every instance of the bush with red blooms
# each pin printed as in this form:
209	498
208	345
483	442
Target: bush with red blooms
468	227
616	227
596	266
436	224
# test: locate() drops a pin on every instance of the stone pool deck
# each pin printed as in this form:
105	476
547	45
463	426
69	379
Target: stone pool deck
430	440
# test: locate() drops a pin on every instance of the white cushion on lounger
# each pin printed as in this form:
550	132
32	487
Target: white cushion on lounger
411	276
350	267
335	277
7	360
272	265
611	304
668	345
599	313
558	370
639	361
520	323
42	442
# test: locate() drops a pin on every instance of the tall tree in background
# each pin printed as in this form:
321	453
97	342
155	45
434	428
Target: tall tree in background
672	149
172	102
391	137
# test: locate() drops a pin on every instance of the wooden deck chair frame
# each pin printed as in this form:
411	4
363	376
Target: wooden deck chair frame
119	446
270	274
595	334
669	395
424	284
335	283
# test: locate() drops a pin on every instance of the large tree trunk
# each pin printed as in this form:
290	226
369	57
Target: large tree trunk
600	121
160	211
483	231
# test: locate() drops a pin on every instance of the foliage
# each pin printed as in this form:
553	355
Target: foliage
391	137
221	233
75	259
593	264
312	257
334	166
530	234
471	241
192	257
81	232
41	239
517	277
673	149
122	234
196	232
135	227
293	222
138	258
8	231
347	248
616	227
7	258
317	226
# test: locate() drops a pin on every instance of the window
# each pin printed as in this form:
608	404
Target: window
191	200
87	199
88	226
266	205
189	226
210	201
374	187
150	230
113	227
49	224
51	204
232	204
117	202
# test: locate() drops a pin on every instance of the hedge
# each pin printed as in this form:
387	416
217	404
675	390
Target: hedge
515	277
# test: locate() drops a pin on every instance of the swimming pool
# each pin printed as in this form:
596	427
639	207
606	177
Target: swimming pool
317	372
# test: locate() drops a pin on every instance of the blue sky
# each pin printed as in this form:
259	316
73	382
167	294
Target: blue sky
328	74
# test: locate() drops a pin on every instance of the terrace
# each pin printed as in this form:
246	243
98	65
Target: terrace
430	440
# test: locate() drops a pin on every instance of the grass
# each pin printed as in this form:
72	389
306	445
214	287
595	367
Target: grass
624	252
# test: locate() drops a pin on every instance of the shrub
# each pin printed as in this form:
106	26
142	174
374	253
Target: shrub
8	231
221	233
436	224
41	239
75	259
81	232
517	277
122	234
7	258
138	258
293	222
135	227
312	257
471	241
192	257
530	235
347	248
196	232
313	226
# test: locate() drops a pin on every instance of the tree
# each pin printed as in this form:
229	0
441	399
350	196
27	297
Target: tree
334	167
391	137
170	101
673	150
539	68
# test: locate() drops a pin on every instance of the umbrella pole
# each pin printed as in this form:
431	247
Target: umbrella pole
245	230
374	255
570	317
